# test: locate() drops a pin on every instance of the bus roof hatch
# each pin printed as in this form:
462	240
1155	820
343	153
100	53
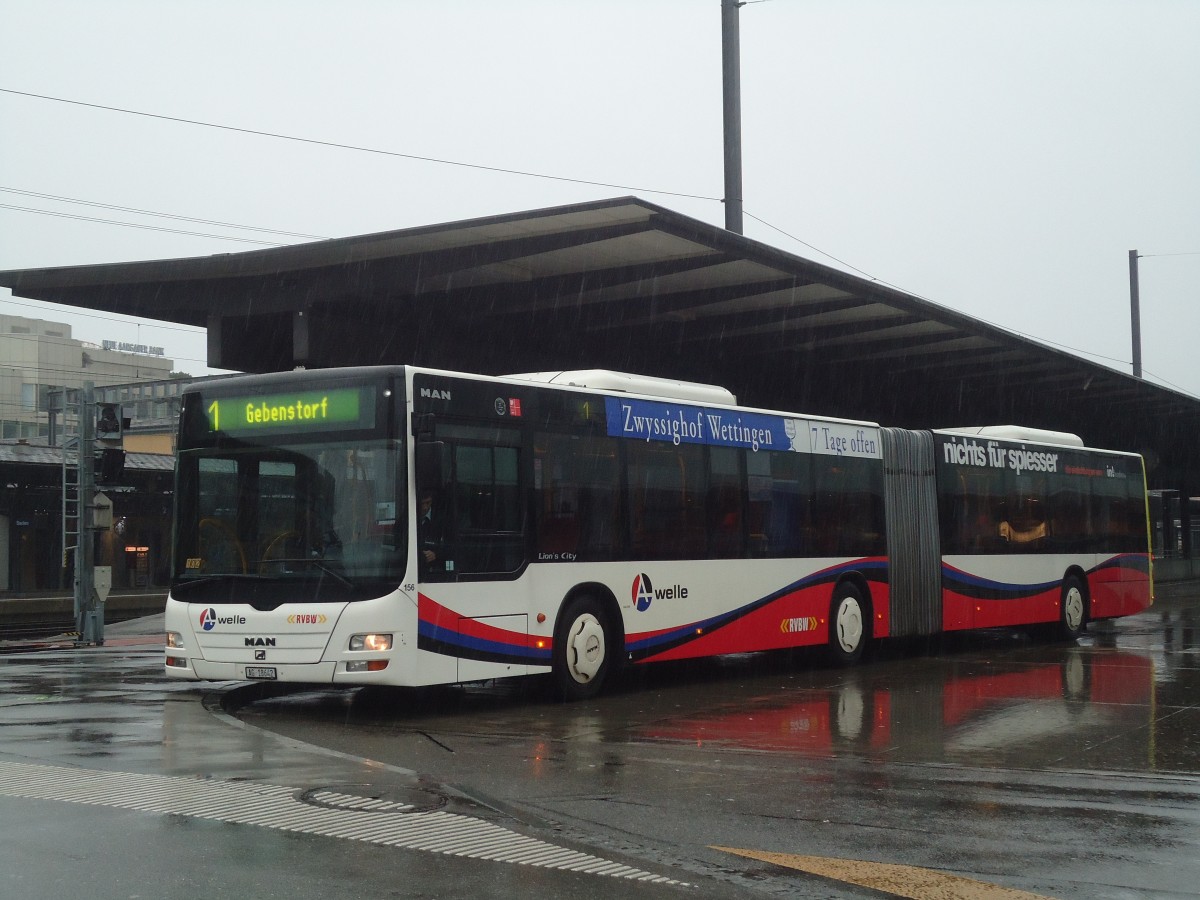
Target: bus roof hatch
607	380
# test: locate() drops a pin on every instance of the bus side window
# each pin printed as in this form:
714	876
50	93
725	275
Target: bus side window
575	481
488	521
779	503
666	501
972	509
1025	526
848	506
1117	506
725	523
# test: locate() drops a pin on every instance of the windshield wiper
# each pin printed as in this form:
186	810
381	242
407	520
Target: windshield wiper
316	564
328	571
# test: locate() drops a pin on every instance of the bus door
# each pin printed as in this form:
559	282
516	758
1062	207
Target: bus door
471	540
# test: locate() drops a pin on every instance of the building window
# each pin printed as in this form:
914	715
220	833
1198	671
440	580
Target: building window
29	396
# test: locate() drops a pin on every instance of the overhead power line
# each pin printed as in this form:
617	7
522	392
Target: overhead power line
339	146
188	329
149	377
840	262
161	215
63	215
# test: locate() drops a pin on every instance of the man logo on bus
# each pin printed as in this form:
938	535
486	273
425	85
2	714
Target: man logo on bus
208	619
643	592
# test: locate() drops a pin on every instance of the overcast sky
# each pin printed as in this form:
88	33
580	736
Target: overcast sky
997	158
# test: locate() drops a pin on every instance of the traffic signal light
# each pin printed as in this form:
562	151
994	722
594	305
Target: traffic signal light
111	466
109	425
110	440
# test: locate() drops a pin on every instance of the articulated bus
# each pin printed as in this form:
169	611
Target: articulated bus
407	526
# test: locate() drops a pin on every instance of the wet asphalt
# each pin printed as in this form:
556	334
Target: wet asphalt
994	765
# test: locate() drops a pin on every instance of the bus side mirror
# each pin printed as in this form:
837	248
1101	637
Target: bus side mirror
429	466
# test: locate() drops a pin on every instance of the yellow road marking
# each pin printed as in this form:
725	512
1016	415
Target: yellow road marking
901	881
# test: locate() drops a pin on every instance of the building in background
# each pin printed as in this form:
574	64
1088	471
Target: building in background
42	369
39	360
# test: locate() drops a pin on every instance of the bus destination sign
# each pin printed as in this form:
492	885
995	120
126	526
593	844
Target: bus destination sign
303	411
651	420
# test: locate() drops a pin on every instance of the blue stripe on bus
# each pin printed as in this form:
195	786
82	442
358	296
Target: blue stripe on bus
1137	562
455	643
979	588
988	589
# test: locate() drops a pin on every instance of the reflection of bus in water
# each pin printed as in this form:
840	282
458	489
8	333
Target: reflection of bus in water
409	527
936	708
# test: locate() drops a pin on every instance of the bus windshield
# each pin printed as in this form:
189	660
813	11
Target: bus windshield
299	512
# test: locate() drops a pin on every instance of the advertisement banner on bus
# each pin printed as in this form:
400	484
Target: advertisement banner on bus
650	420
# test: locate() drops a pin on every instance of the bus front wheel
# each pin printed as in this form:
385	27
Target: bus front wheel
582	650
849	625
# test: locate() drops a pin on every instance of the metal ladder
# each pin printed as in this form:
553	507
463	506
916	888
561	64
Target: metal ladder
72	505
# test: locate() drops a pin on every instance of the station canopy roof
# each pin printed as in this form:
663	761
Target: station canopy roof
628	285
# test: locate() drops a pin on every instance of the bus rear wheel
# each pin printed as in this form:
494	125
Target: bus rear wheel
1072	617
583	650
849	625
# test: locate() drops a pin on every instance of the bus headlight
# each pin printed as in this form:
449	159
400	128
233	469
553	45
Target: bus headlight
371	642
174	639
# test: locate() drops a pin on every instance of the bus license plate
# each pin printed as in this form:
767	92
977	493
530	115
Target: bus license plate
260	672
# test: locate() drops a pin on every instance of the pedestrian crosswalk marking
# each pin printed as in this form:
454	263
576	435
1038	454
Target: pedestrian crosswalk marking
280	807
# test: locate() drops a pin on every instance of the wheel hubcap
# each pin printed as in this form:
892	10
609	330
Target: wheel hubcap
1073	608
849	625
585	648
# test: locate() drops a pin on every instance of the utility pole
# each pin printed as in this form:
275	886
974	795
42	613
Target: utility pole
1135	312
731	71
